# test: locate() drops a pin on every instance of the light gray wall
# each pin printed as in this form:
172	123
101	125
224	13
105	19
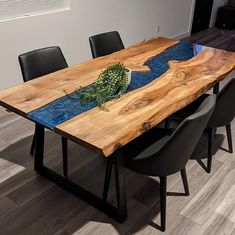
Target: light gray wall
134	19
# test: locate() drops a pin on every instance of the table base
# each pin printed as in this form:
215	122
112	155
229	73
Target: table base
118	213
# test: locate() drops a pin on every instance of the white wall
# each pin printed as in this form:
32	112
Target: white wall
134	19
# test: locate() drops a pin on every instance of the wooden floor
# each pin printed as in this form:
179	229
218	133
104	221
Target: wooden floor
217	38
29	204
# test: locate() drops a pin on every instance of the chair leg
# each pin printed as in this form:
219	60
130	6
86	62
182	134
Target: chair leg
32	148
185	181
120	186
163	183
229	137
216	88
167	123
108	174
65	156
210	148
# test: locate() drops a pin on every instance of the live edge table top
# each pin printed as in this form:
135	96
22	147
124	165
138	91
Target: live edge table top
135	112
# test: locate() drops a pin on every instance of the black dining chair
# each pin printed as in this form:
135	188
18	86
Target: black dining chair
38	63
161	153
222	116
105	43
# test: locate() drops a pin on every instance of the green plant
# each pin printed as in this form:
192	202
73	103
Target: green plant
111	84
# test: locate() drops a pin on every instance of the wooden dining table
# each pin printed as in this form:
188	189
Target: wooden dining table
167	75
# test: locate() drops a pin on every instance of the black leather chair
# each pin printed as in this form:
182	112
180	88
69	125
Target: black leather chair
159	153
222	116
225	16
38	63
105	43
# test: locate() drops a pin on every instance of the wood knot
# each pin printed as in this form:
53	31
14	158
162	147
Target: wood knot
137	105
180	75
117	146
28	99
146	126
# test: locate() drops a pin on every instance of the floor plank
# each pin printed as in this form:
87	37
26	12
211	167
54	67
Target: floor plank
6	206
63	211
24	216
226	208
217	225
201	207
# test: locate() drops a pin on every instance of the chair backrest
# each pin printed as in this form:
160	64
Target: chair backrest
175	152
231	3
225	106
105	44
41	62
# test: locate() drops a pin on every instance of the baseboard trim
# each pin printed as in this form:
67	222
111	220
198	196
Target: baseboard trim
180	36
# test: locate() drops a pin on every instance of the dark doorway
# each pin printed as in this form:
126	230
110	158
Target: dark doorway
202	15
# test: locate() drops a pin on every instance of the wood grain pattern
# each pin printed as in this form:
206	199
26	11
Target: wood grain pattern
212	195
8	169
217	225
6	206
227	207
137	111
31	95
140	110
181	225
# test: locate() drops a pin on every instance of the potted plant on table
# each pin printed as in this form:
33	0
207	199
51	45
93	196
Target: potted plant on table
111	84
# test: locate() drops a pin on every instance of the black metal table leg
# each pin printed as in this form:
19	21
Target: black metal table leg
65	155
32	148
39	147
108	174
118	213
120	186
